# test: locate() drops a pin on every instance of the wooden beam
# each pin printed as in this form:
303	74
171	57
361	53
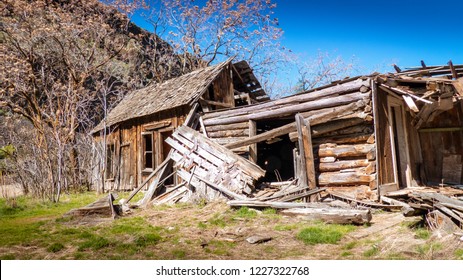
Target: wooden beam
291	100
323	117
410	103
332	215
303	178
288	110
452	69
253	147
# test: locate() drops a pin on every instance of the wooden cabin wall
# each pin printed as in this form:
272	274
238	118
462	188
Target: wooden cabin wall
127	140
442	147
342	130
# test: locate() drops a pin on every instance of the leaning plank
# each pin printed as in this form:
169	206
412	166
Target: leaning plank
149	195
221	189
135	191
332	215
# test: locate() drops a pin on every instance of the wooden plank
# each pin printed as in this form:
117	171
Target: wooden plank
253	147
203	128
303	178
410	103
135	191
149	195
252	169
222	189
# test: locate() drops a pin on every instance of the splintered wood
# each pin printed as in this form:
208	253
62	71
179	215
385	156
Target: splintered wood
209	168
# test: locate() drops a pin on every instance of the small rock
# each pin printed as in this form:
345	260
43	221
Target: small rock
258	239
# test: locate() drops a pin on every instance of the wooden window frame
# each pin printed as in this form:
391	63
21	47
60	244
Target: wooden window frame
144	152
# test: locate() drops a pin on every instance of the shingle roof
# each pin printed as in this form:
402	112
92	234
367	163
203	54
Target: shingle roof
184	90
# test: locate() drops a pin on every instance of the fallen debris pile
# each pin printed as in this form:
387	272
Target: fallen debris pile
441	211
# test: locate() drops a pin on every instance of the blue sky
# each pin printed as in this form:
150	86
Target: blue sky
374	34
377	33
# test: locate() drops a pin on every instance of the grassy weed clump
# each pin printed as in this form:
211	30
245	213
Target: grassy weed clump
324	234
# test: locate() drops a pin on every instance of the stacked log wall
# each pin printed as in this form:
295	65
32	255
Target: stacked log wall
341	119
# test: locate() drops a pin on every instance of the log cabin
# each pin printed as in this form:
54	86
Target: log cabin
363	136
129	144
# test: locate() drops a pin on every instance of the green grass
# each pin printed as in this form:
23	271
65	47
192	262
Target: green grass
427	250
217	220
373	251
41	224
178	254
285	227
246	213
459	254
218	247
324	234
422	233
269	211
55	247
350	245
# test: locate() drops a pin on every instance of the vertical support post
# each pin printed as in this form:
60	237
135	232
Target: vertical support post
303	167
307	153
253	147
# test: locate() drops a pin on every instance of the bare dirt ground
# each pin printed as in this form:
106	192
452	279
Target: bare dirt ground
390	236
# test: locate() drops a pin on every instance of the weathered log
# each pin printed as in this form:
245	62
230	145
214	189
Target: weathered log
344	178
363	202
233	126
325	116
229	133
334	126
344	139
342	164
296	99
345	150
288	110
305	146
273	204
332	215
407	210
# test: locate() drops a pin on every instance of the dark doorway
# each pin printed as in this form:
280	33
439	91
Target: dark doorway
276	155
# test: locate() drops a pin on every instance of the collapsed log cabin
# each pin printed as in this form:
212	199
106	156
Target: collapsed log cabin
358	135
130	143
364	136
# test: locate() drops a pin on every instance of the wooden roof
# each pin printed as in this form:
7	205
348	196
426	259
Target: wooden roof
184	90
